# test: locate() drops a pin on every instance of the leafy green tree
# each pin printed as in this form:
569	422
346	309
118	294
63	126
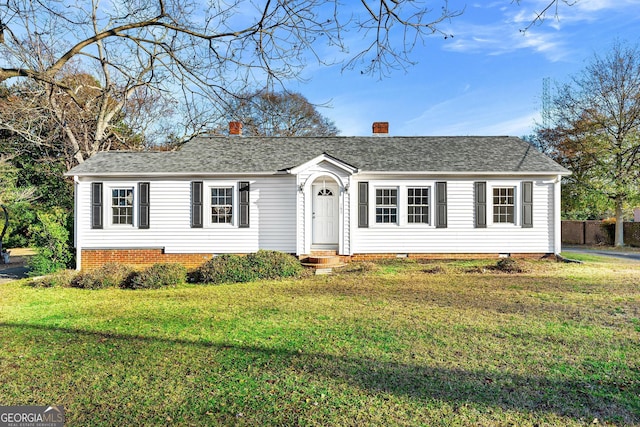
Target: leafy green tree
596	132
53	243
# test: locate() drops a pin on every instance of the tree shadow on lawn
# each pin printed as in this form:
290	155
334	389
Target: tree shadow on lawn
605	400
530	297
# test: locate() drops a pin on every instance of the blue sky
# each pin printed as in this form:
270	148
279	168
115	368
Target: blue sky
486	80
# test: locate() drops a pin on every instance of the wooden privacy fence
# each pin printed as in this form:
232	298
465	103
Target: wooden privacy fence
598	233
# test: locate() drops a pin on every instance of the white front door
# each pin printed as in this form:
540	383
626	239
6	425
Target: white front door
325	214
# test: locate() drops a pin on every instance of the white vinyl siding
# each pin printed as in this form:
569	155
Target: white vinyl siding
460	236
272	211
280	212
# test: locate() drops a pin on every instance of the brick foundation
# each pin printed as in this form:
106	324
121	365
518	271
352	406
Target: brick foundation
93	258
373	257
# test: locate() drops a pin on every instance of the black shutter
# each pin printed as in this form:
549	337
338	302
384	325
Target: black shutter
196	204
481	204
96	205
363	204
243	188
143	205
441	205
527	204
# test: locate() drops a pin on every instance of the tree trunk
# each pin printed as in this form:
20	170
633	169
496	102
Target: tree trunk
619	238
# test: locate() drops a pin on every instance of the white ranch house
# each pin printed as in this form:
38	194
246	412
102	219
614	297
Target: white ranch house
361	197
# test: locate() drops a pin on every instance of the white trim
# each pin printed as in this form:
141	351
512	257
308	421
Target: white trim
307	198
470	174
517	203
76	221
293	171
374	205
206	204
323	158
557	226
107	211
190	175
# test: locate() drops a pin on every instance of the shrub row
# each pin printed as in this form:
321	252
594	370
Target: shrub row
221	269
119	275
237	268
115	275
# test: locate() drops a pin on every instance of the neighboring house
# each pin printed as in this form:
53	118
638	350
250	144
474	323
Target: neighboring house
363	197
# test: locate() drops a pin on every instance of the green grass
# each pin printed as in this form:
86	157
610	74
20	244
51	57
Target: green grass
402	343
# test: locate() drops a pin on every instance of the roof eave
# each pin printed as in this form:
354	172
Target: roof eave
290	171
169	174
469	173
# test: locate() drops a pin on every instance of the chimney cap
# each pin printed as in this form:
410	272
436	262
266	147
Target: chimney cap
235	128
380	128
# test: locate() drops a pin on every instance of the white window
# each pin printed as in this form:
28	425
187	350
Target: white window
504	205
222	205
386	205
418	205
122	206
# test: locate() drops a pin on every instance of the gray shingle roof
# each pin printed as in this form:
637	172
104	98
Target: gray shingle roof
247	155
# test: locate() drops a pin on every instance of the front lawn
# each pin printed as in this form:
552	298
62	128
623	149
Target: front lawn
401	343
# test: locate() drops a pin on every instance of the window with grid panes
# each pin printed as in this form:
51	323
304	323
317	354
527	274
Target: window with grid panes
503	205
122	206
418	205
386	205
221	205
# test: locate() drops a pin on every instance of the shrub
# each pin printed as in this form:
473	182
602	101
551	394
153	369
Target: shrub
223	268
235	268
273	264
508	265
62	278
109	275
157	276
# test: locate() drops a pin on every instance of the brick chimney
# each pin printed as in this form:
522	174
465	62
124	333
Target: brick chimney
235	128
380	128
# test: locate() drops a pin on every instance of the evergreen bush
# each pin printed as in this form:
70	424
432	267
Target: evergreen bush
157	276
109	275
61	278
273	264
263	264
50	236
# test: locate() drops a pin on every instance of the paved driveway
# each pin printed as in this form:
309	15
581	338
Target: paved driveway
630	255
17	268
13	273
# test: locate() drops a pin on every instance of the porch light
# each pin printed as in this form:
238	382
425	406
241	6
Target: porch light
301	188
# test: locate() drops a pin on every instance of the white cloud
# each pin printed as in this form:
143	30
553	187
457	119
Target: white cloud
501	39
494	29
